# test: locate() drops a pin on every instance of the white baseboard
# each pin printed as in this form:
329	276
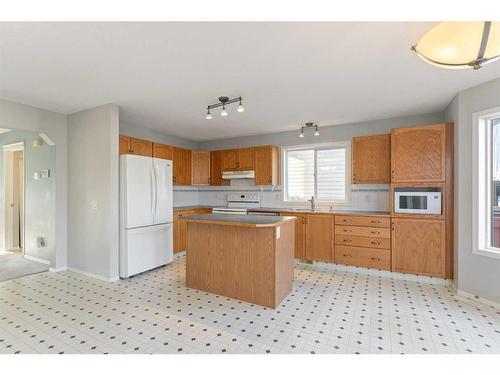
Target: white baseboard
60	269
475	299
98	277
37	259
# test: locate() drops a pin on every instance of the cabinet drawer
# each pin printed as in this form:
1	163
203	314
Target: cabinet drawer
374	242
363	257
363	231
363	221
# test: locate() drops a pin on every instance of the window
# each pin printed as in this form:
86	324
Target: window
486	187
321	171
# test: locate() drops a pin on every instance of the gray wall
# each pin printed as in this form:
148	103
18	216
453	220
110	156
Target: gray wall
327	134
477	274
156	136
54	125
39	194
93	175
451	114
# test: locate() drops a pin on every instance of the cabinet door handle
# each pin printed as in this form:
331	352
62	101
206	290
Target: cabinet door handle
375	221
347	230
375	258
346	220
375	243
347	240
347	255
375	232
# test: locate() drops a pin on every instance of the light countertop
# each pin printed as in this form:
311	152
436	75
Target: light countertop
238	220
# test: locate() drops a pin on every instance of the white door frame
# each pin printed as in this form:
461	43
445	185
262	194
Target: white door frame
8	225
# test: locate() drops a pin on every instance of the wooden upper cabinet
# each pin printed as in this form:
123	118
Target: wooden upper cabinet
229	160
182	167
201	168
141	147
418	154
319	237
371	159
246	159
163	151
418	246
266	165
124	144
216	169
238	159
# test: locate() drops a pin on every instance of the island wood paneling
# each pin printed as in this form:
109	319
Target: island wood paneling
246	263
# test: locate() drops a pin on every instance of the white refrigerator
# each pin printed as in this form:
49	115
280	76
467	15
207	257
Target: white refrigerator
146	215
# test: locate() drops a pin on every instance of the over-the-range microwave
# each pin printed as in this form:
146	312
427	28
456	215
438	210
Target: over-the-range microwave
421	200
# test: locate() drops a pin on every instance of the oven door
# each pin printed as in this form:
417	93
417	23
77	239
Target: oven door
417	202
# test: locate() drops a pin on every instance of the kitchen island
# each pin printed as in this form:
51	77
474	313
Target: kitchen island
249	258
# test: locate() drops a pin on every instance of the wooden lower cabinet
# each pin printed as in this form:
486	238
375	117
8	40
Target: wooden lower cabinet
363	257
418	246
300	230
180	227
319	237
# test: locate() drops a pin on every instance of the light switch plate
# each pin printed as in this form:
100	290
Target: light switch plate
45	173
36	175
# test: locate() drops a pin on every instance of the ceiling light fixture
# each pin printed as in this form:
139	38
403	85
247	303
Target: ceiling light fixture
307	126
223	101
460	45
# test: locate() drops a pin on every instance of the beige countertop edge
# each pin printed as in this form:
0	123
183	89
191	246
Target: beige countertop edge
239	224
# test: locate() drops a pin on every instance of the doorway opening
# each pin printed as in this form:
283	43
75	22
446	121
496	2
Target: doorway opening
14	197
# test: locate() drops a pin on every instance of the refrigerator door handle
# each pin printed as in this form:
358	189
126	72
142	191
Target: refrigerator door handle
153	191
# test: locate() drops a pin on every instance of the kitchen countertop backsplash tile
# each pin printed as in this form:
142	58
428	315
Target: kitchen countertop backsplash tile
363	197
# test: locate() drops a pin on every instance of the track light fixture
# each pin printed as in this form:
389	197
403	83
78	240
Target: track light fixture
223	101
308	125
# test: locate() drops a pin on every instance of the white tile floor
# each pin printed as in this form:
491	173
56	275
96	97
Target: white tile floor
330	310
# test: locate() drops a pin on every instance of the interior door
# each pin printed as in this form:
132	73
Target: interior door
137	185
163	191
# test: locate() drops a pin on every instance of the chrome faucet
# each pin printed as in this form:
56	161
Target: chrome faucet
313	203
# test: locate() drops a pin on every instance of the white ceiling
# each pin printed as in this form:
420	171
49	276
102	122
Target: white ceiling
163	75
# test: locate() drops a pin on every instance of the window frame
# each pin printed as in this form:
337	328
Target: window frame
481	190
317	146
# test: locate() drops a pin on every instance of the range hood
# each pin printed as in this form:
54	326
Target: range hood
231	175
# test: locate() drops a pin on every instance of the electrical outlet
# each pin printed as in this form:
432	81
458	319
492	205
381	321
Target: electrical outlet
40	242
93	205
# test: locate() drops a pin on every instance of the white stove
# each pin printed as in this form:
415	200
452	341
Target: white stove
238	204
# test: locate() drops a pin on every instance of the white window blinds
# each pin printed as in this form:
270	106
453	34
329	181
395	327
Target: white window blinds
331	174
300	173
316	171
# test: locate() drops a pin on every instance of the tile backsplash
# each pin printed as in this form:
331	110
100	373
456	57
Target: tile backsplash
363	197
